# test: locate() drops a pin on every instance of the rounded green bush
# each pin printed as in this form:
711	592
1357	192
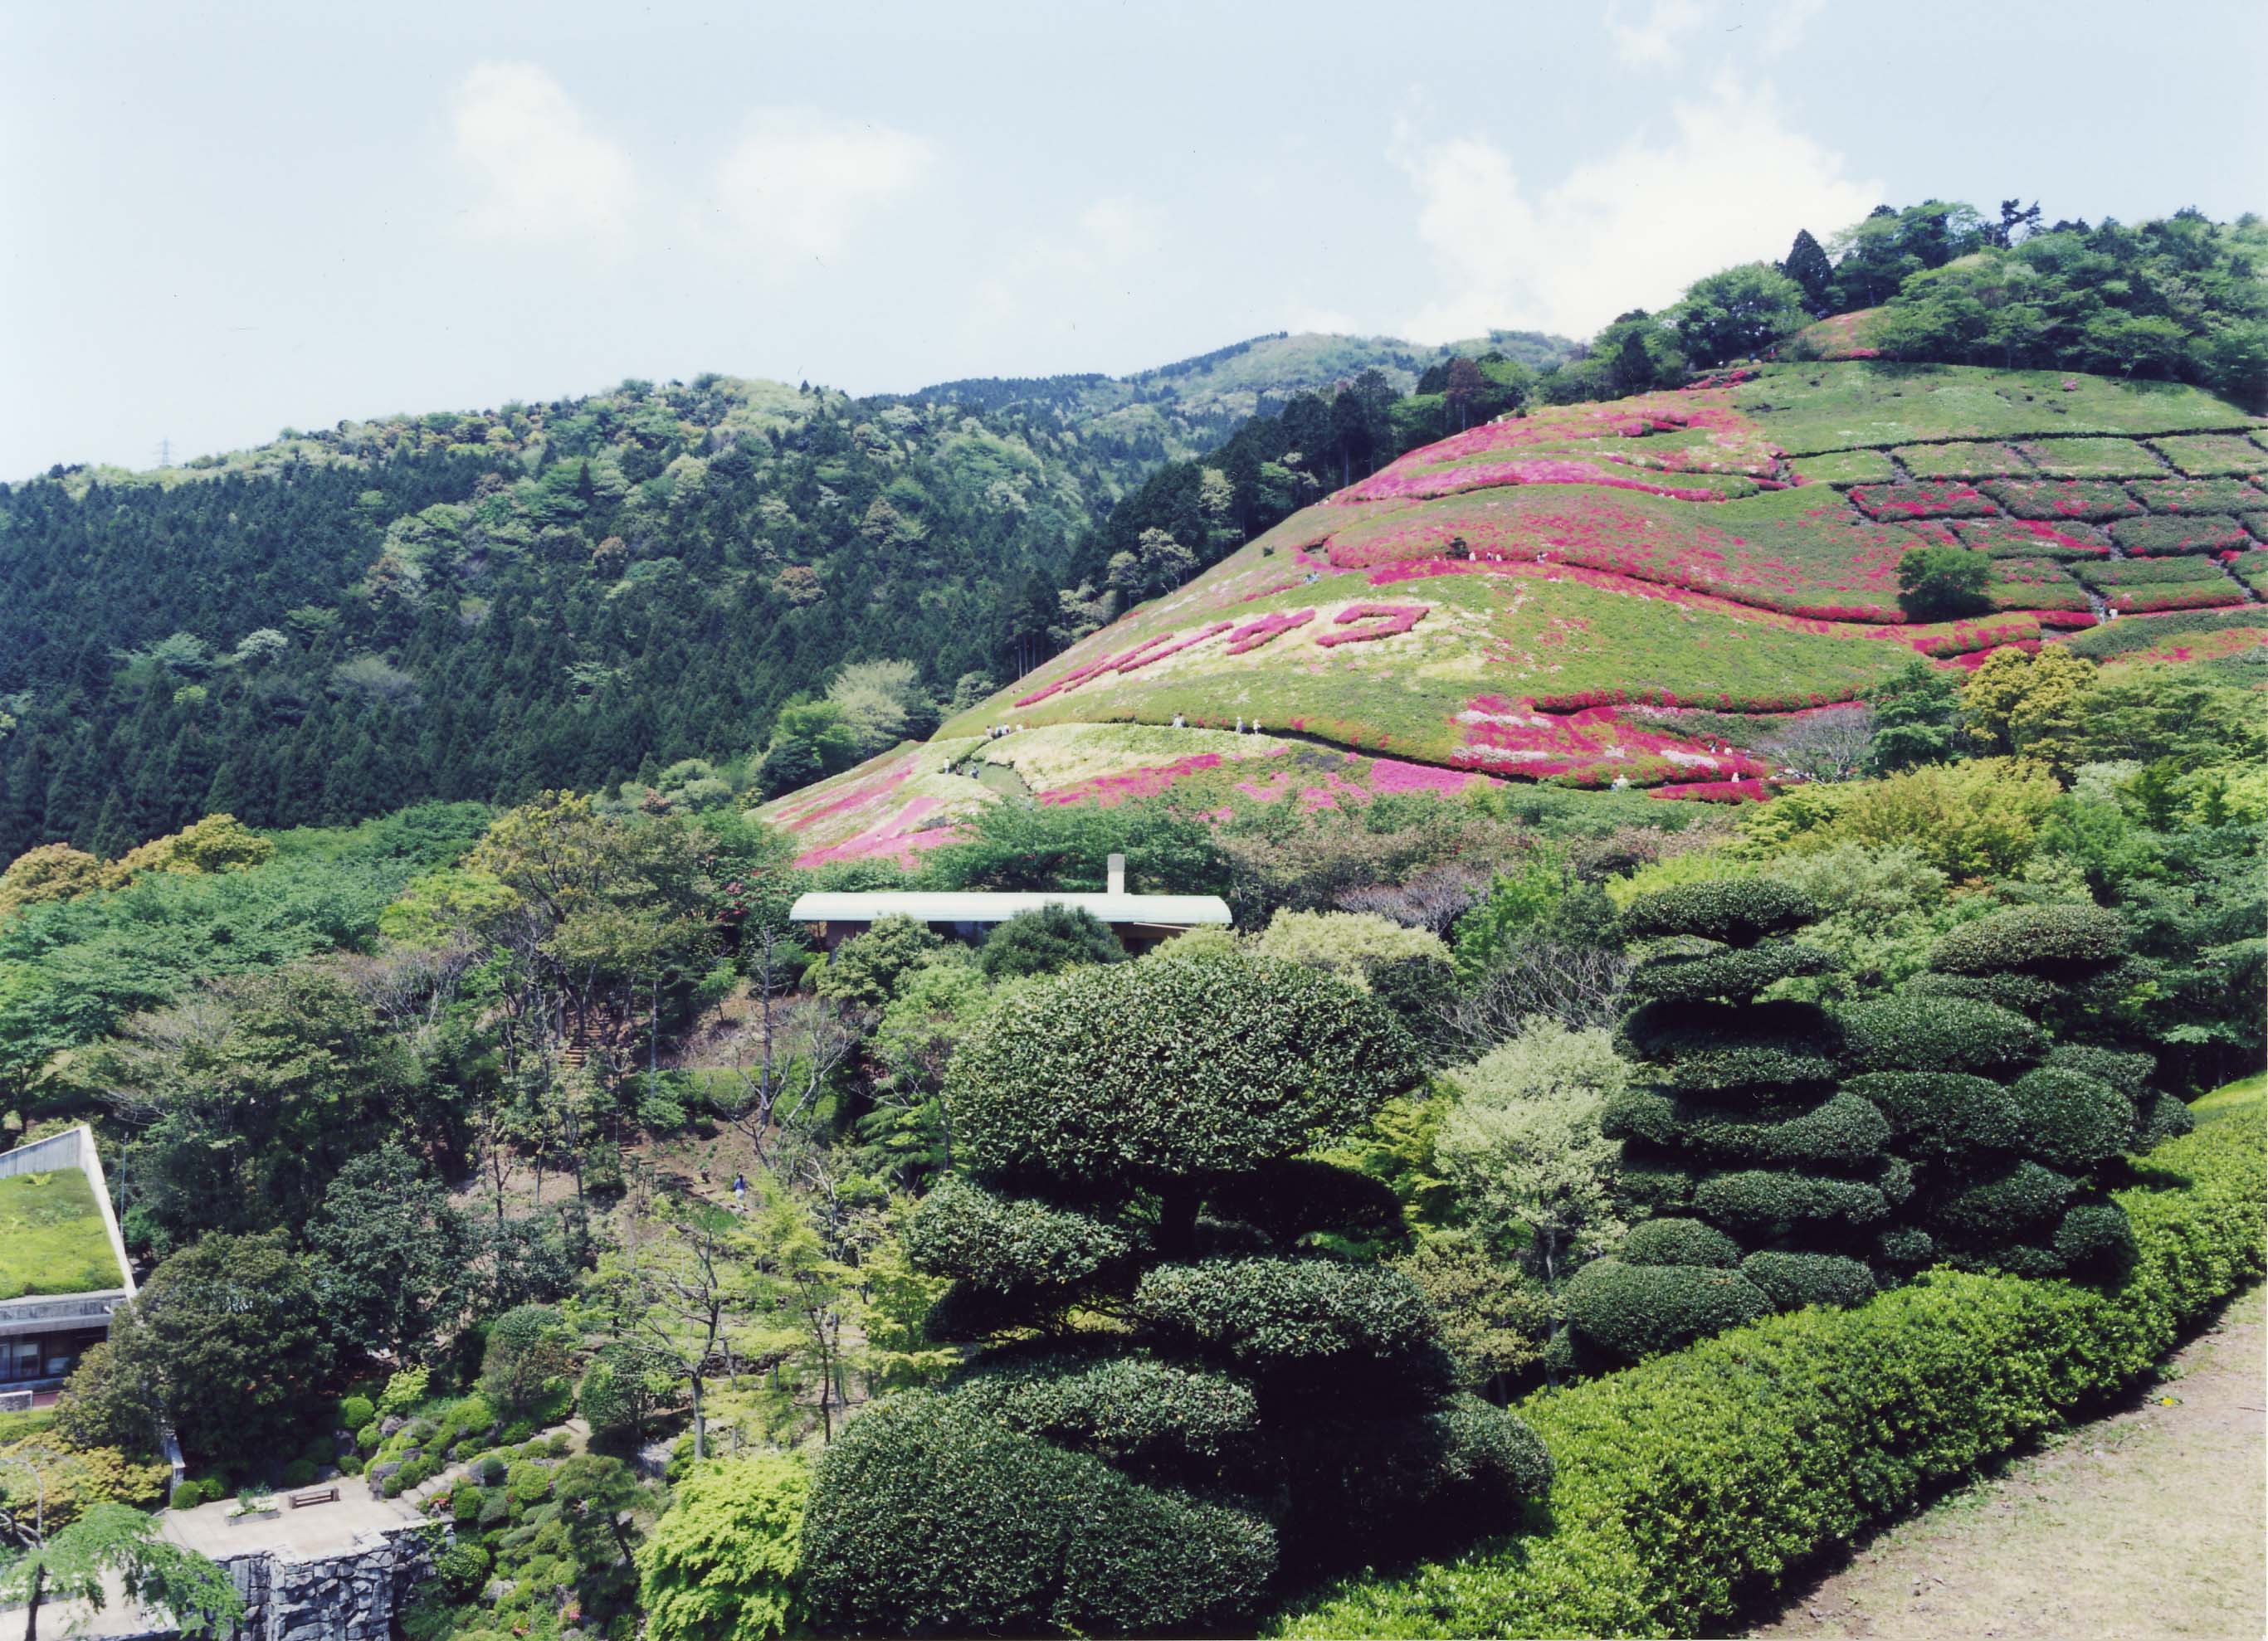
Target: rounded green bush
2094	1239
1738	913
963	1230
928	1517
1133	1411
1841	1129
1904	1248
465	1504
367	1438
355	1412
1298	1323
2002	1208
1793	1280
1360	1488
2034	939
298	1473
2071	1120
1678	1242
2019	994
1761	1202
1711	1048
1906	1033
1653	1187
1937	1115
1733	973
2129	1073
1159	1070
1047	940
1628	1312
2162	1117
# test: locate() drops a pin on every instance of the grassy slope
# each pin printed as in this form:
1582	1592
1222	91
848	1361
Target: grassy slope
1767	599
51	1238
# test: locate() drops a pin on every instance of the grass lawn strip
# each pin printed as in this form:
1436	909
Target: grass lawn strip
52	1238
2213	455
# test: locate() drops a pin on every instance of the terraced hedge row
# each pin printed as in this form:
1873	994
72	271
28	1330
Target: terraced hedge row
1699	1482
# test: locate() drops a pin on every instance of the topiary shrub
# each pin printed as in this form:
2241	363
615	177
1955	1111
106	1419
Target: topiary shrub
1934	1116
2072	1121
1739	913
2003	1206
2094	1239
1138	1137
2162	1118
1627	1312
2127	1073
928	1517
1936	1033
2037	939
2019	994
1715	1048
1794	1280
1678	1242
1766	1203
298	1473
1733	973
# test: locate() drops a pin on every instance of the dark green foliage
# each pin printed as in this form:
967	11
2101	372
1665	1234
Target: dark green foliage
1936	1033
1739	913
2094	1239
1672	1241
1150	1072
1047	940
1140	1413
2003	1207
1735	973
1940	583
1715	1048
1765	1203
1843	1129
1689	1489
1904	1249
1362	1489
1914	714
929	1517
2162	1117
1286	1201
867	970
1297	1324
2127	1073
1943	1114
1792	1280
2056	940
2072	1121
1009	1243
1633	1311
2019	994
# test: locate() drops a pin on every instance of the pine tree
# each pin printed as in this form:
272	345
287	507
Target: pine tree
1807	265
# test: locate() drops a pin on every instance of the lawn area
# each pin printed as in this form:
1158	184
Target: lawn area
51	1238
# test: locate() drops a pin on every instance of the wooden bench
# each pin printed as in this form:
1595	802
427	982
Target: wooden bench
314	1496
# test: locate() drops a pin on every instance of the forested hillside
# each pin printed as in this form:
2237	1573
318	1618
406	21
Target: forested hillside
564	594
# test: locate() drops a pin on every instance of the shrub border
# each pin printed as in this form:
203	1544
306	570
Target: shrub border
1692	1485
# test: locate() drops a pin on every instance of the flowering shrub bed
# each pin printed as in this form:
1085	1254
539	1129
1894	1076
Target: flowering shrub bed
1964	459
1253	634
2251	568
2092	458
1919	501
1594	745
1960	636
2213	455
1147	654
2080	498
2129	572
1422	484
2025	538
2183	595
1392	619
1848	467
2196	496
2034	584
2258	524
1107	791
2207	534
1718	792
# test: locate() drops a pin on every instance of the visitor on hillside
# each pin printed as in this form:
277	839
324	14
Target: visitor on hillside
741	1192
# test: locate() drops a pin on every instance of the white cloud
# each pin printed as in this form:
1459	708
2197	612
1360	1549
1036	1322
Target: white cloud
1730	182
798	185
1654	42
1784	32
1110	238
544	176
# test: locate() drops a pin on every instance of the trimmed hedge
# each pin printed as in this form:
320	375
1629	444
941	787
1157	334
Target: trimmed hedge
1679	1242
1738	913
1790	1280
1762	1201
2071	1120
1633	1311
2127	1073
1936	1033
1943	1114
1364	1487
1296	1320
1841	1129
2002	1208
2204	533
1127	1408
1735	973
1697	1481
1706	1048
927	1516
1005	1243
2048	939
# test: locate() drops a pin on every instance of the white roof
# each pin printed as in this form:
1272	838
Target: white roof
975	906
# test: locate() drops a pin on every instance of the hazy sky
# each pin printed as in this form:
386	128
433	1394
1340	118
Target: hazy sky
220	220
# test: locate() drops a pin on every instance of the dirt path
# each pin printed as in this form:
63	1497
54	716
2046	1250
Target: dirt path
2145	1524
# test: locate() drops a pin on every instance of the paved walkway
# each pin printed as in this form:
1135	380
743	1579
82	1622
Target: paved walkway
2146	1524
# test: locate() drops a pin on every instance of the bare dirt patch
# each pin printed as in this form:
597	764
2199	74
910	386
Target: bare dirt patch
2147	1523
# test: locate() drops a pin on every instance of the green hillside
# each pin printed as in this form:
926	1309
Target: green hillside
1540	597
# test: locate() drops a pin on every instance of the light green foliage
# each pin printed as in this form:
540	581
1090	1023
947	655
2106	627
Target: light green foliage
1349	944
117	1540
52	872
876	700
721	1563
51	1238
1518	901
1522	1145
1883	905
1737	313
865	970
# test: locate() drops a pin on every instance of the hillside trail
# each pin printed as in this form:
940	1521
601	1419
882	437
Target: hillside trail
2145	1524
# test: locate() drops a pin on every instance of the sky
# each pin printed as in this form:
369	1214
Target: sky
222	220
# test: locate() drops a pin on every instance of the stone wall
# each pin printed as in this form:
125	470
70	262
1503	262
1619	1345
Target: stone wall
350	1596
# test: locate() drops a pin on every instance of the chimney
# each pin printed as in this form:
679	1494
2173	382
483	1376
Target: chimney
1117	868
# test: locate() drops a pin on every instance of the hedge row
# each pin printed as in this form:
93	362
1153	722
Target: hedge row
1698	1482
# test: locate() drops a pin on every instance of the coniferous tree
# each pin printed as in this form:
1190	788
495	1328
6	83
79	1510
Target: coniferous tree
1807	265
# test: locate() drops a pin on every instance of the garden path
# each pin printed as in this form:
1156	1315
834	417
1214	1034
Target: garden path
2145	1524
